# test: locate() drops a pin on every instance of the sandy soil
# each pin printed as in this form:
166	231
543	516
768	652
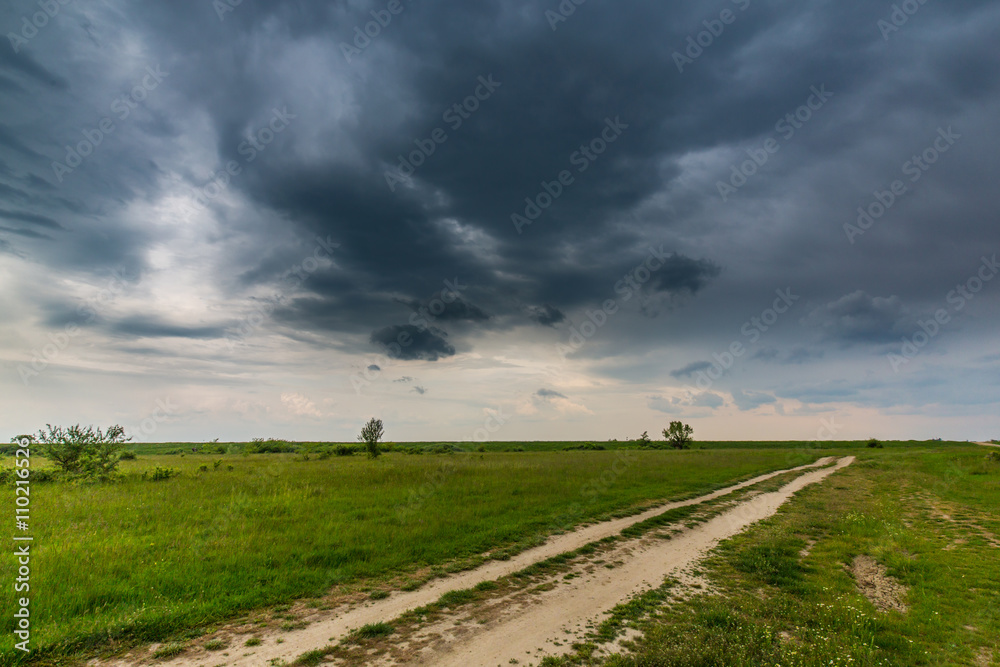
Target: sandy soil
648	565
987	444
874	582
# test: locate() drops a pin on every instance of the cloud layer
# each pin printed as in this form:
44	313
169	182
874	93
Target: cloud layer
272	214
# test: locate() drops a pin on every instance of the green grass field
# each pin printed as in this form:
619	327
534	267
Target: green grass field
178	448
144	560
117	564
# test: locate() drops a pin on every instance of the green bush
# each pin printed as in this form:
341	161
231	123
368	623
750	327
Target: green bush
585	447
87	452
344	450
158	474
874	444
127	456
269	446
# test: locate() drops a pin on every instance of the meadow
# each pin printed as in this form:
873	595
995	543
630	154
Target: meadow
782	592
164	555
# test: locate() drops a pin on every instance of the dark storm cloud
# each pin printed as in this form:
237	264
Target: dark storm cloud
457	311
691	369
862	318
680	273
546	315
409	343
326	173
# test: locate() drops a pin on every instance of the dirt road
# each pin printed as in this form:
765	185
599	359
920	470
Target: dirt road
646	563
559	617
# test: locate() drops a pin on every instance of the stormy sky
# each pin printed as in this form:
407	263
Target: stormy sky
500	220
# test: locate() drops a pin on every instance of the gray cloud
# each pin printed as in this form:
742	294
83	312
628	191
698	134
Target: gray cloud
408	342
750	400
861	318
546	315
148	327
691	369
549	393
797	355
130	202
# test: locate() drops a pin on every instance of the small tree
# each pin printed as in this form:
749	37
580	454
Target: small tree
87	451
371	433
679	435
